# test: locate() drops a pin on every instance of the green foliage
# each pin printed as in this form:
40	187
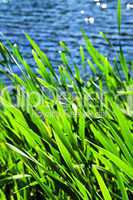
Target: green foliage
119	15
63	136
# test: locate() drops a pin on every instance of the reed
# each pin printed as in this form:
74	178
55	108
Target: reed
63	136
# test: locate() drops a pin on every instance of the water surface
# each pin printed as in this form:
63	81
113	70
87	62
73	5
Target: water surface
49	21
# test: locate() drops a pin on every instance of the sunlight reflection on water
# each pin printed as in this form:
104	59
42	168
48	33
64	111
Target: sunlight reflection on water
50	21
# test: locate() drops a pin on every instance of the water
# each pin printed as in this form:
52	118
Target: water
49	21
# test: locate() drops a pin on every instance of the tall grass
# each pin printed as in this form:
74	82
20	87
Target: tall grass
63	136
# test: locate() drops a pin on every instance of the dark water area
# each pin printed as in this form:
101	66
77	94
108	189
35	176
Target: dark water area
50	21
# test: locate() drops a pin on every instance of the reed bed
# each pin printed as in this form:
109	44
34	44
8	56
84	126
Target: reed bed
63	135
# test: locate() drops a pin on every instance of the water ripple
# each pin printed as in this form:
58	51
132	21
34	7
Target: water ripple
48	22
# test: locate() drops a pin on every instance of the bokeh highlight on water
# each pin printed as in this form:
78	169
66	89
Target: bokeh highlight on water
50	21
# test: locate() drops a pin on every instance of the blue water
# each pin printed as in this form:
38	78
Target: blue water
49	21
